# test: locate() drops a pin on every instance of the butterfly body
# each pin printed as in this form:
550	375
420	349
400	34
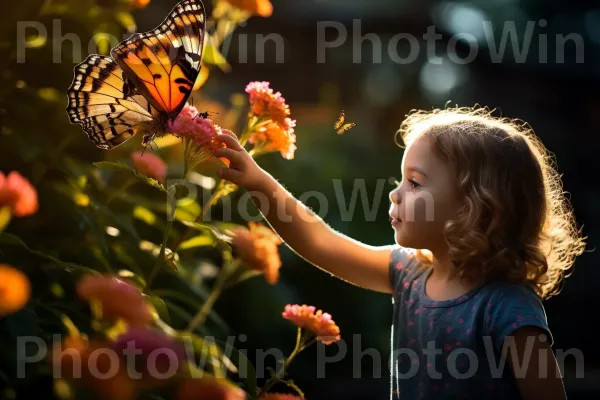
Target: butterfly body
145	82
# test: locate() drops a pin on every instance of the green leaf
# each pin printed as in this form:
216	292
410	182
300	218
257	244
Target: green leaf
212	55
245	368
5	217
12	240
161	308
127	21
197	241
112	166
102	40
143	214
222	241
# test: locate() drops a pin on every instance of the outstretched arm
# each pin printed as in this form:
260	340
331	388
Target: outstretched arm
302	230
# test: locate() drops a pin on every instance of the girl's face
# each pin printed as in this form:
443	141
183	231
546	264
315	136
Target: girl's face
426	198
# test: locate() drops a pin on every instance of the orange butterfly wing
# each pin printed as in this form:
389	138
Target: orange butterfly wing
164	64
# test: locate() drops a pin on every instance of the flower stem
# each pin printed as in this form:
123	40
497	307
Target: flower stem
301	344
211	202
163	247
161	255
217	289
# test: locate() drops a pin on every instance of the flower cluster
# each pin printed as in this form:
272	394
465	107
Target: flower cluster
160	360
88	363
14	290
117	299
270	127
18	194
257	247
199	135
317	322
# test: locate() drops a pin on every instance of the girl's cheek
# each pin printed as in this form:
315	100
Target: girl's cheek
419	207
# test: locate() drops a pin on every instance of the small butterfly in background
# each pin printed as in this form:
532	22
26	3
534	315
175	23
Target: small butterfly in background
341	126
145	82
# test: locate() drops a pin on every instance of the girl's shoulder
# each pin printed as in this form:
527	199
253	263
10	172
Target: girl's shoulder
508	307
406	264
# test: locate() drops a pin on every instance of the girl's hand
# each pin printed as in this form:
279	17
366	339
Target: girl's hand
243	169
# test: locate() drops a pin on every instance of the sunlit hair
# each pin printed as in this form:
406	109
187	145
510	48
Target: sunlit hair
516	224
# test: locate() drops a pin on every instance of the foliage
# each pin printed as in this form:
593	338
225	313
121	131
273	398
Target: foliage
109	218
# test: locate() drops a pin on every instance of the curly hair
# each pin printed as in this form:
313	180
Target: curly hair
516	224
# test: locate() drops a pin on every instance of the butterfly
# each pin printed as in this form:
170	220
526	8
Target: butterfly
145	82
340	124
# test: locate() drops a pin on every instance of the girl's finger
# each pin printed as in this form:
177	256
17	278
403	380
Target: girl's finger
229	174
230	133
229	141
232	155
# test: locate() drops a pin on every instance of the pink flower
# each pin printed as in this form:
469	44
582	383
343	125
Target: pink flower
318	322
150	165
199	135
190	124
117	298
156	352
17	193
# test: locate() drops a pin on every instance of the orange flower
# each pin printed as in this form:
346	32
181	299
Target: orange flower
15	289
279	396
17	193
264	8
273	137
265	102
209	388
150	165
117	298
318	322
139	3
258	249
274	130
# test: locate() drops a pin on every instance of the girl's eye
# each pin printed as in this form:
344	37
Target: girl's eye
413	183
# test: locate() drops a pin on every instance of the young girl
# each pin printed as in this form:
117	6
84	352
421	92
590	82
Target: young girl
483	234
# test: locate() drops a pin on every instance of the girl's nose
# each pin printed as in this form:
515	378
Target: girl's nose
395	196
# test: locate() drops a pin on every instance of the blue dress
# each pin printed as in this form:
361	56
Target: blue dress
452	349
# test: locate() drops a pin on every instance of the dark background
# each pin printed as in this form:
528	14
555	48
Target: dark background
558	98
